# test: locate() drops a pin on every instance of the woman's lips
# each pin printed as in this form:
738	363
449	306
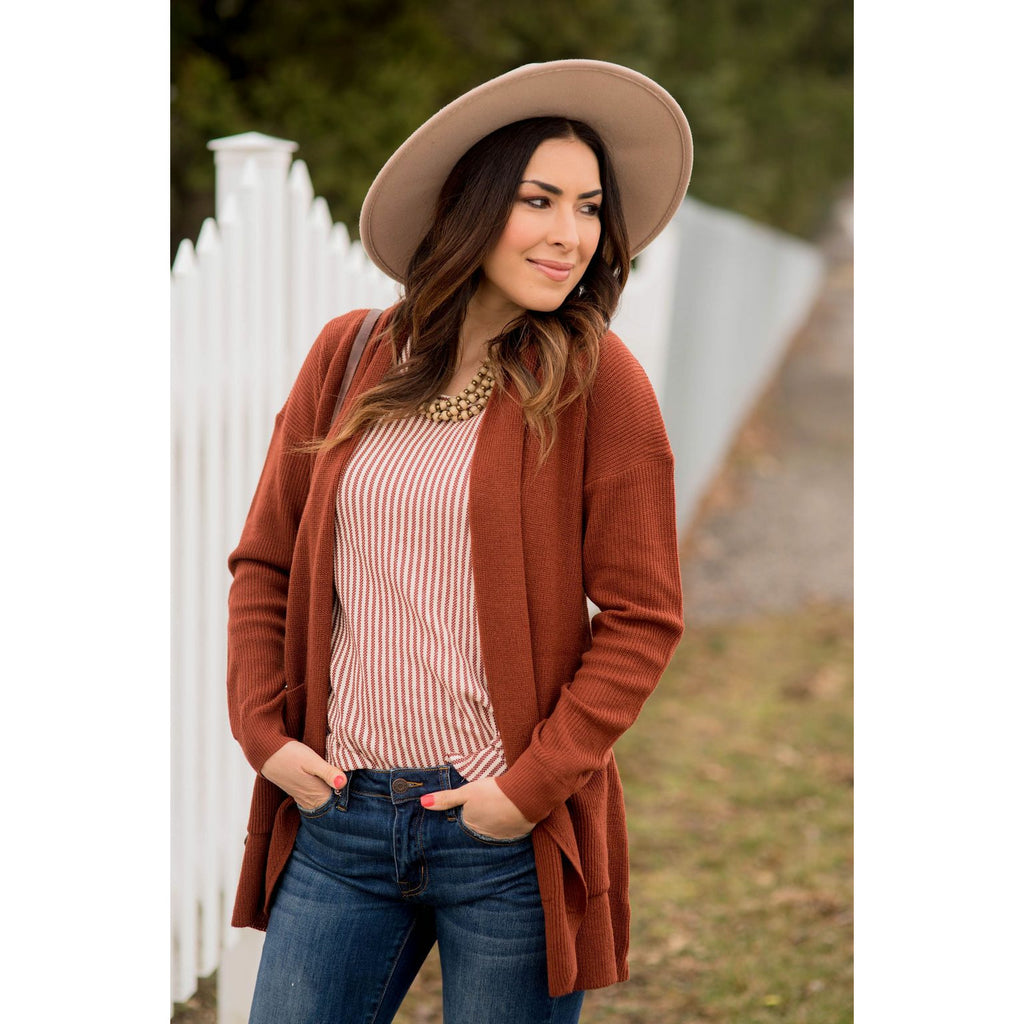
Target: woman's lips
555	271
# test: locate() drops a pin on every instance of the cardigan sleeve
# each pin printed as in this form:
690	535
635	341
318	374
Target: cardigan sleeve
631	572
261	563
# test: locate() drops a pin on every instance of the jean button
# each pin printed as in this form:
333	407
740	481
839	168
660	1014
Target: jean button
400	786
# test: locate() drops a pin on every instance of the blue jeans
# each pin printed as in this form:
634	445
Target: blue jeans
373	881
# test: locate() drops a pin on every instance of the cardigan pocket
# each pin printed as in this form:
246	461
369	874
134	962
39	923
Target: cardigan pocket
263	808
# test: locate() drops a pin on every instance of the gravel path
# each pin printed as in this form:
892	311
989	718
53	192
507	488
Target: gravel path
776	529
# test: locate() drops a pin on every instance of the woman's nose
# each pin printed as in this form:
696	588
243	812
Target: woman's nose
562	229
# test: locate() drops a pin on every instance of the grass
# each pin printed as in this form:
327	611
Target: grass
738	779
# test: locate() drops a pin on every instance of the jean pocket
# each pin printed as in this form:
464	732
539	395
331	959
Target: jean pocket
317	811
481	837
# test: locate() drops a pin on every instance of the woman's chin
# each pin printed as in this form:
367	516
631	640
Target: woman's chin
548	303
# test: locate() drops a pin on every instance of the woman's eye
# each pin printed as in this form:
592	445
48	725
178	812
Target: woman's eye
537	202
592	209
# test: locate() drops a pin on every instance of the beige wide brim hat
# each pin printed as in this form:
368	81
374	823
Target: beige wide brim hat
645	132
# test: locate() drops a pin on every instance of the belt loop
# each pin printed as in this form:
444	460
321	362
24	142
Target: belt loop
341	795
446	783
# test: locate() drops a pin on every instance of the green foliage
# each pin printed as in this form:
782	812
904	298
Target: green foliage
767	86
768	89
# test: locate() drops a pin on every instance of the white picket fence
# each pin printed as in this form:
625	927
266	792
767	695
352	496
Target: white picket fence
247	302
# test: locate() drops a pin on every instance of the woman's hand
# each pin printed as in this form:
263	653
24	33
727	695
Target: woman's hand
485	809
303	774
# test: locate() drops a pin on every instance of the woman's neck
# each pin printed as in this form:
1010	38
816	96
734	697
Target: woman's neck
483	321
486	317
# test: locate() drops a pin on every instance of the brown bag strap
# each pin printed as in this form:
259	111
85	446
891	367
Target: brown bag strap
353	360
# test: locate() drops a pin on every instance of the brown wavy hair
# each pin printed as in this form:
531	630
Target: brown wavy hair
471	212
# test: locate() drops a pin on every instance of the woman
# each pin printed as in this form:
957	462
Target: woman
412	668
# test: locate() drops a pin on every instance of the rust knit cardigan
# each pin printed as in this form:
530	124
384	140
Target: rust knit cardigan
597	519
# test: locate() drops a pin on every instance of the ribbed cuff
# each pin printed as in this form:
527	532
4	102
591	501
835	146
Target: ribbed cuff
263	738
534	790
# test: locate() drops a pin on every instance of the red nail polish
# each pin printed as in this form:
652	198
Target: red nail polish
428	800
339	781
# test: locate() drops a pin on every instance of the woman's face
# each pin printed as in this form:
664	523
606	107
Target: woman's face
551	234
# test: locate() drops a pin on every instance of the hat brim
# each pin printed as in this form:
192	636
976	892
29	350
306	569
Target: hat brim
645	131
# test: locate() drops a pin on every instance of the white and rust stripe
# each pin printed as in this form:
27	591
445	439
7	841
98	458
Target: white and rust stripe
407	674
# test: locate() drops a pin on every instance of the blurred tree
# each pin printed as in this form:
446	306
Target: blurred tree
767	86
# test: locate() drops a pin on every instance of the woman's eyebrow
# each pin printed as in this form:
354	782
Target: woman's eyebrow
555	190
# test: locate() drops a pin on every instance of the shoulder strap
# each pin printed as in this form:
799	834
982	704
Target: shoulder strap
354	356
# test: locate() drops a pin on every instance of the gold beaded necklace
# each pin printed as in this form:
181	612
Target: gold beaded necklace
469	402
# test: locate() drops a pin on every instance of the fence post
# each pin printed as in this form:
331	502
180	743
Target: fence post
271	156
257	165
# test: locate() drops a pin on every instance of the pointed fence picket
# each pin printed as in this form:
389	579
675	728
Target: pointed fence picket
184	646
707	311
